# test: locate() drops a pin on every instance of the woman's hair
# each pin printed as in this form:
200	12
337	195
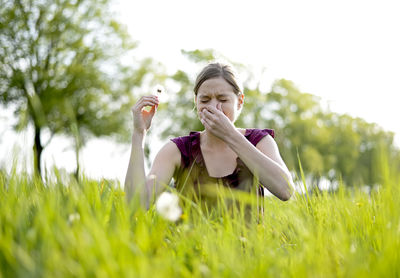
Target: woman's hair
215	70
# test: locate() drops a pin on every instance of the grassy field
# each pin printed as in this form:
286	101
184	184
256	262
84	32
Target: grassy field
85	229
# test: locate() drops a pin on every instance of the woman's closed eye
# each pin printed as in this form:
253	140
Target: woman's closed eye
207	100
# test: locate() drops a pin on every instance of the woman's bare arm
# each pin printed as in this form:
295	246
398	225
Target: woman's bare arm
136	177
135	180
162	170
265	162
160	175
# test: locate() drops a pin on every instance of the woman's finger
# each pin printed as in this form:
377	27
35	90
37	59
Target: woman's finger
149	97
143	99
205	123
152	111
212	109
203	115
141	105
209	121
209	114
153	102
146	98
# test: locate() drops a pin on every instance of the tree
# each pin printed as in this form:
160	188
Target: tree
61	66
301	129
329	145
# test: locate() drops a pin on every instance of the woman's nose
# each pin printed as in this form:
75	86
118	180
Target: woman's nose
214	103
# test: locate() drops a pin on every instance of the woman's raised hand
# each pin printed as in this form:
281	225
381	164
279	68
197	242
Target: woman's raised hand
214	120
142	118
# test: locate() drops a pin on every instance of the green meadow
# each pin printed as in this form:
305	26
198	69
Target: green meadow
70	69
68	228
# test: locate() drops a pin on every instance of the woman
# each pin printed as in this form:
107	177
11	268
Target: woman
221	153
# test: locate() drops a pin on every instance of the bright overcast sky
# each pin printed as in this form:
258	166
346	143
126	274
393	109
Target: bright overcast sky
346	52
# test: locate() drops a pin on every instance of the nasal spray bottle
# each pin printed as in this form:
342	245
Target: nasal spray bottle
158	91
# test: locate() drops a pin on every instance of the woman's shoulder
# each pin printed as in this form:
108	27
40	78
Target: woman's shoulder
261	131
170	148
254	135
188	146
186	139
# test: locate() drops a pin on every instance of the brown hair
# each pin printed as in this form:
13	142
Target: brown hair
215	70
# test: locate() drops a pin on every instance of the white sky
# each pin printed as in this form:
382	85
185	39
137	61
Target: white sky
346	52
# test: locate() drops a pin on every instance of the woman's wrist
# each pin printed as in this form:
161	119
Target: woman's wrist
138	136
139	132
234	139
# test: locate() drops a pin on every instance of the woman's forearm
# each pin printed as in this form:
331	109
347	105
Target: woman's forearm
276	178
135	180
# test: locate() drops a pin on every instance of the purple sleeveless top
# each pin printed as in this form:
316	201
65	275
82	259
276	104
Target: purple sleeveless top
193	169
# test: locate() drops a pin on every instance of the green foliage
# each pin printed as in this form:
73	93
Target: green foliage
61	67
65	228
199	56
329	144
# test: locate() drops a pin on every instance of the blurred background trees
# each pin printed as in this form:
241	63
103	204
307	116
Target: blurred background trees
330	145
61	67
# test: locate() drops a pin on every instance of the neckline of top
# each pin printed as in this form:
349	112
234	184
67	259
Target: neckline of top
197	133
198	155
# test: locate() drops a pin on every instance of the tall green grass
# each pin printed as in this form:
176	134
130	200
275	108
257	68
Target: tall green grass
64	228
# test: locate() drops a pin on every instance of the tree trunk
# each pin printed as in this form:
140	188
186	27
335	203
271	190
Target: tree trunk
77	163
37	152
78	146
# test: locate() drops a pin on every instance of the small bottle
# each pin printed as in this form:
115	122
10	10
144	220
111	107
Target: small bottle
158	90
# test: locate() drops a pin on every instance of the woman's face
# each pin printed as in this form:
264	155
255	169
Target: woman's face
217	90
